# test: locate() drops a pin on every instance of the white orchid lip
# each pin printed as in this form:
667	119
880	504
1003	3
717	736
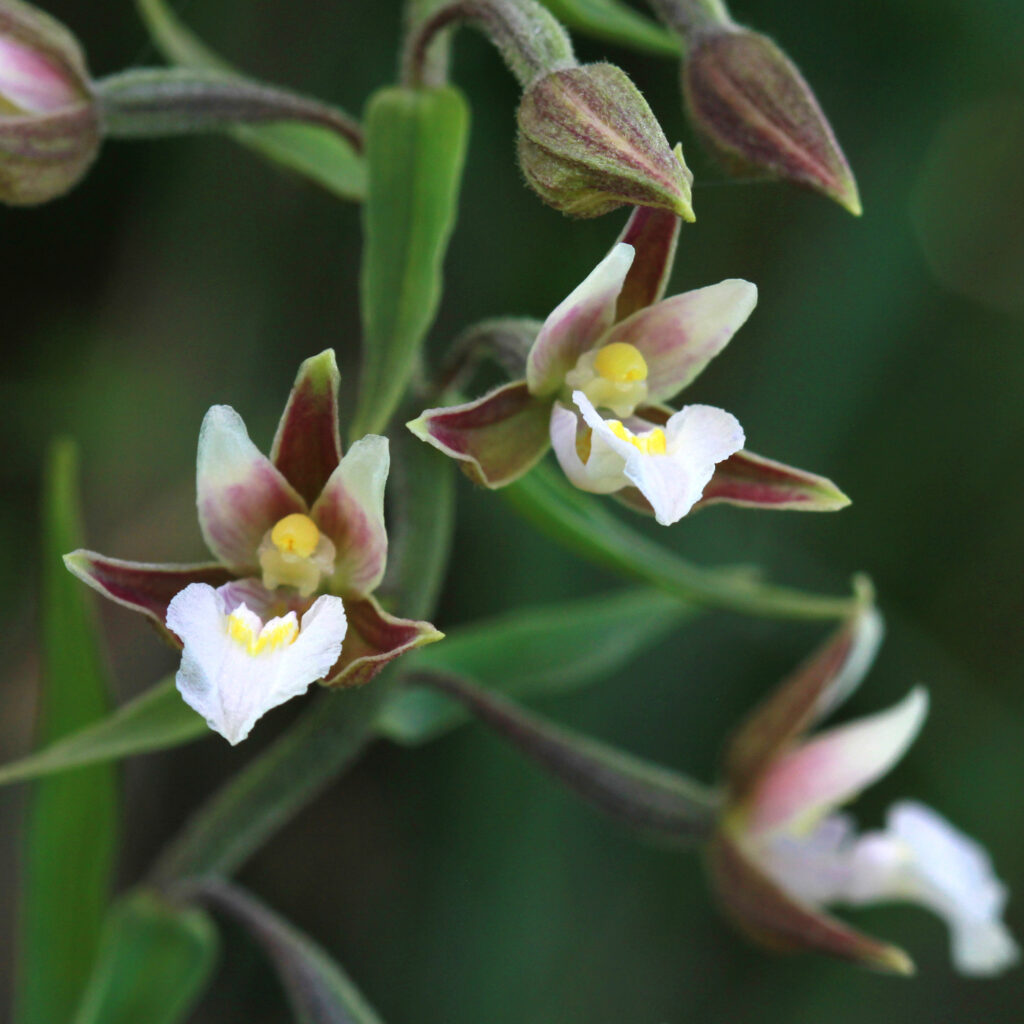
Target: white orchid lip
294	553
235	667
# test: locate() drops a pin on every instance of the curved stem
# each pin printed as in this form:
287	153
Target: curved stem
688	17
531	41
176	101
638	793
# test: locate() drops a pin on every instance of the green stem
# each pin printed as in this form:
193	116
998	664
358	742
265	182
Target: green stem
154	102
581	524
636	792
688	17
530	40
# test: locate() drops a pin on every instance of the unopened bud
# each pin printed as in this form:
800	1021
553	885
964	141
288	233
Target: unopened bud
588	143
49	127
752	105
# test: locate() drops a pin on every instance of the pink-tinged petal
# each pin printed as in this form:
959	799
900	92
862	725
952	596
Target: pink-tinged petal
679	336
241	493
753	481
835	766
772	917
307	446
33	81
267	604
374	638
497	438
350	511
815	689
653	235
578	323
142	586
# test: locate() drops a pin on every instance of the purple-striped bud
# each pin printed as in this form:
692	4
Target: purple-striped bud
49	127
758	114
589	143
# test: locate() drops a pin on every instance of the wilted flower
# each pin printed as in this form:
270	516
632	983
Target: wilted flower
49	128
615	344
300	546
782	853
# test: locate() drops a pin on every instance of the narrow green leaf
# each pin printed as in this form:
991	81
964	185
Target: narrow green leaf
319	154
154	962
614	22
154	720
319	991
72	821
585	524
415	150
532	653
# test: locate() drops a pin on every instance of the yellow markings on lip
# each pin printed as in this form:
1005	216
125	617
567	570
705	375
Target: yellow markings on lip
620	362
276	633
295	535
651	443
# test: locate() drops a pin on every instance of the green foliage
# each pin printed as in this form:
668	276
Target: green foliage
156	719
72	820
319	991
319	154
415	150
153	963
614	22
533	652
586	526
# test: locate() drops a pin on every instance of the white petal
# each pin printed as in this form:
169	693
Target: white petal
697	438
922	858
603	471
228	686
836	765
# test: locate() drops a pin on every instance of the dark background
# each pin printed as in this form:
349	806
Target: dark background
455	883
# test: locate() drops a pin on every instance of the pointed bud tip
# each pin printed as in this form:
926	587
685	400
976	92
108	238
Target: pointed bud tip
589	143
758	114
892	960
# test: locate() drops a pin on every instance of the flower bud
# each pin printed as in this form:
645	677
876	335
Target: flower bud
753	107
49	127
588	143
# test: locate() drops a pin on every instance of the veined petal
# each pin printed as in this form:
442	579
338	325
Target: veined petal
229	675
497	438
350	511
922	858
680	335
653	234
374	638
753	481
772	916
240	493
831	768
578	323
307	446
144	587
815	689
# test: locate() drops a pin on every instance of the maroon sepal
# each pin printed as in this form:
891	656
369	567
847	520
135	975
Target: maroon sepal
497	438
756	482
307	446
773	918
373	639
140	586
653	234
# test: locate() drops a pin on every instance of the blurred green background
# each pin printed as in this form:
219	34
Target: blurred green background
455	883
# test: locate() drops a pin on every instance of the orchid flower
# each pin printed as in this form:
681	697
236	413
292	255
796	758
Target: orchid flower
299	544
616	346
783	852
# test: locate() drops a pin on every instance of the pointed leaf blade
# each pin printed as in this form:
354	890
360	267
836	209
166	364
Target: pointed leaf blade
153	964
70	838
532	653
614	22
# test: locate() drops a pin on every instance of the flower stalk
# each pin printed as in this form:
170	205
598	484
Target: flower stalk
639	794
154	102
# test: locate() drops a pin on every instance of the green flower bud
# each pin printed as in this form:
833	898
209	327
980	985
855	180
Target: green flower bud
753	107
588	143
49	126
